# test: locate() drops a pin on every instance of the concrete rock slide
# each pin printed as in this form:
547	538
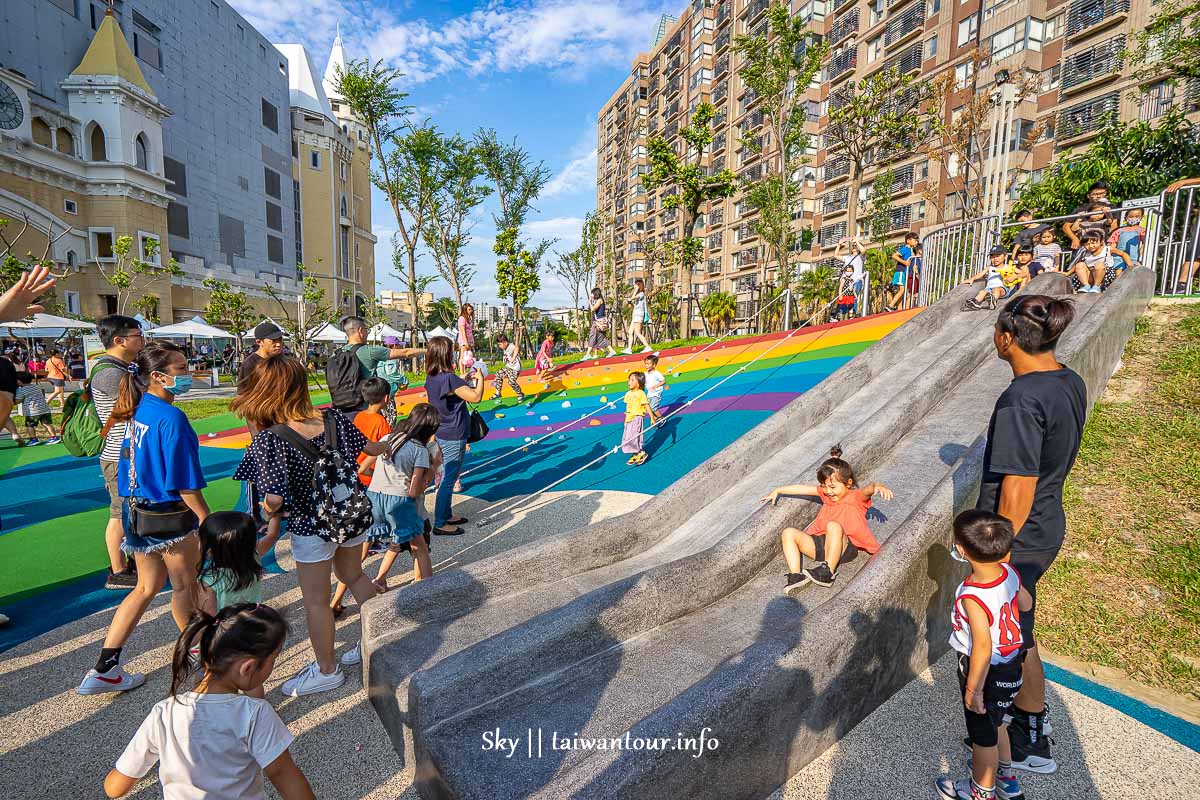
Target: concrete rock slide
666	628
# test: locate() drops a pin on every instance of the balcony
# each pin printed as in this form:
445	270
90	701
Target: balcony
752	120
674	85
901	26
839	98
1086	14
901	219
902	179
843	26
723	16
746	283
674	42
714	266
909	59
836	167
751	173
745	258
673	65
714	240
843	63
1086	118
721	67
1086	65
839	4
746	231
894	3
722	41
830	235
835	201
718	142
670	130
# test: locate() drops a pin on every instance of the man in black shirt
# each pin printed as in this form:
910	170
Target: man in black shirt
8	394
268	341
1033	438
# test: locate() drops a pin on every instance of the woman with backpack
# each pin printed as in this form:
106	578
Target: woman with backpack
304	463
449	394
160	478
597	339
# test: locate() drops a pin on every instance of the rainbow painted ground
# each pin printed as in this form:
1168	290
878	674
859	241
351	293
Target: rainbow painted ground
53	507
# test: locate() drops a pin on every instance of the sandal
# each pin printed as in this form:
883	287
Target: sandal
457	521
337	611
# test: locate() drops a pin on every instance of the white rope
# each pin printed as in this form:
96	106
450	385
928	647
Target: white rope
525	447
513	502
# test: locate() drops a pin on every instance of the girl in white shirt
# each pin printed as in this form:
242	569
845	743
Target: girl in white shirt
215	741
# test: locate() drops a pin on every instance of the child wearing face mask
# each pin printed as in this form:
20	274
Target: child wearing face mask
840	529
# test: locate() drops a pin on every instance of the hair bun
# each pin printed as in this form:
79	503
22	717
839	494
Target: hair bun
836	451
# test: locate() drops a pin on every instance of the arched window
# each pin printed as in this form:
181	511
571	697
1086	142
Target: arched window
65	142
72	259
344	207
41	132
99	151
140	152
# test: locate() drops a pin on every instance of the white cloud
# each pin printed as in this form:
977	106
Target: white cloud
577	175
566	36
567	230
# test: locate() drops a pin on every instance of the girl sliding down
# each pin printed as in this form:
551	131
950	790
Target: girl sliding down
840	529
217	740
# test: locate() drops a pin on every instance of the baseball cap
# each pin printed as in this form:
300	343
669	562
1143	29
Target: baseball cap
267	330
998	250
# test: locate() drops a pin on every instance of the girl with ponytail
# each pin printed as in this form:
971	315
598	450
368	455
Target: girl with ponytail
160	480
219	738
1032	440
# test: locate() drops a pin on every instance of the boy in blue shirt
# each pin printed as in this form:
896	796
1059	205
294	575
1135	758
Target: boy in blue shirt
903	264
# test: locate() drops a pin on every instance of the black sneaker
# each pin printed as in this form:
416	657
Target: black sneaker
820	574
121	581
990	300
521	398
1030	749
971	304
795	582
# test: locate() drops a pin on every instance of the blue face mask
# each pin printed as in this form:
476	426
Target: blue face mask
957	556
182	385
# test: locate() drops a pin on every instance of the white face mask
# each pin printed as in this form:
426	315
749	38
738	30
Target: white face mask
957	556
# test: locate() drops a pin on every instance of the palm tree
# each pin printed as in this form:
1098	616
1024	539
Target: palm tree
816	287
719	310
444	312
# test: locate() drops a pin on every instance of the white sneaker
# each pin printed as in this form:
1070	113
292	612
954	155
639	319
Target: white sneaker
628	351
353	656
311	680
115	680
647	349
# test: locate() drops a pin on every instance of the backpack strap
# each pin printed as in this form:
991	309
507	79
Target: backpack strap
331	434
297	441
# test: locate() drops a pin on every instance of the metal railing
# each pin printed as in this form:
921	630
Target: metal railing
1173	245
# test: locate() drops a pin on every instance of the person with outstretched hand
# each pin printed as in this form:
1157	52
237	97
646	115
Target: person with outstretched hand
20	301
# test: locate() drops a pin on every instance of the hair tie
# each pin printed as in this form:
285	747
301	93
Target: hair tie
132	368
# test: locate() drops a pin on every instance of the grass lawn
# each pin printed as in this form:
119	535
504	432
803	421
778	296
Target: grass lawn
1125	591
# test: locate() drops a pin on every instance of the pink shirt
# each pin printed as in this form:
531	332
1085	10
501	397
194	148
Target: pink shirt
466	332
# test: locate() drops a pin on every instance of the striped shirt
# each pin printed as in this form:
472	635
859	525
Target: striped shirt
1048	254
33	401
106	382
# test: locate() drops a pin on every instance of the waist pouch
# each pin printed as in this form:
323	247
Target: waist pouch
155	519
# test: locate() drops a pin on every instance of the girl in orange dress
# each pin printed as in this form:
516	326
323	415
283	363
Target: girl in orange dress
840	529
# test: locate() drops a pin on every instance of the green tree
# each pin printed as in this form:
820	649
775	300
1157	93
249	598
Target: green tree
719	310
773	65
1170	44
880	119
1137	159
691	186
577	269
131	273
816	288
373	312
879	212
227	306
456	193
12	265
517	181
444	312
419	286
404	172
303	314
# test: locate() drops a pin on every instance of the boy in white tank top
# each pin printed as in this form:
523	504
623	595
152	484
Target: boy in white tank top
986	633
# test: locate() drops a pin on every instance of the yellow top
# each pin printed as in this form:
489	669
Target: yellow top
636	404
109	54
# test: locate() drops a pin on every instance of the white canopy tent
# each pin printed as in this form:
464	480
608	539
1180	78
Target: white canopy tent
249	334
440	331
145	324
327	333
190	329
382	330
46	326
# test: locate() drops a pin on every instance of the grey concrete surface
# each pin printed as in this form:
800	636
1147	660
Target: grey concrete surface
665	633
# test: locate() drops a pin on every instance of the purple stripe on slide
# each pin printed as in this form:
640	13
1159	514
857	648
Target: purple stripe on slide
764	401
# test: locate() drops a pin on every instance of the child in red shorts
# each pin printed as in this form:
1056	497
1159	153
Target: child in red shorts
840	529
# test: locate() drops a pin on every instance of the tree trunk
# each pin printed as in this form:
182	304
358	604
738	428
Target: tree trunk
852	202
518	328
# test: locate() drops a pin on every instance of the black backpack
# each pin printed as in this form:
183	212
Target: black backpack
343	509
343	375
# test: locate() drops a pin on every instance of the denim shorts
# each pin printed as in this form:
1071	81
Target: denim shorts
150	543
396	518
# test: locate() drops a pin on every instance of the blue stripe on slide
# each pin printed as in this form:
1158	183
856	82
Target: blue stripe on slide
1182	731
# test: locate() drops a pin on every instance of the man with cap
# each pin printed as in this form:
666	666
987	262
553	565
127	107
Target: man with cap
268	341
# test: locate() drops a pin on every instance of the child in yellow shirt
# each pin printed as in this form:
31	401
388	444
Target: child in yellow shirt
637	406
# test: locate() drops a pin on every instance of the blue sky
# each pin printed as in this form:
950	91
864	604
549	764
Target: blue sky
537	70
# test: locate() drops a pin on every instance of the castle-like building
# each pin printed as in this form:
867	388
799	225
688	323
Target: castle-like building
179	124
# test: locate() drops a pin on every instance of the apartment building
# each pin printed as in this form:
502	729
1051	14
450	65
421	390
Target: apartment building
1074	47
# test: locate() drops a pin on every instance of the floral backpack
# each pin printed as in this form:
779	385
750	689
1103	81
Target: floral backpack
343	508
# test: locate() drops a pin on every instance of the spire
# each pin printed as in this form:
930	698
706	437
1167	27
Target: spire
109	54
337	62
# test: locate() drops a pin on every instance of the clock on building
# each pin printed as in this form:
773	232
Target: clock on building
11	112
